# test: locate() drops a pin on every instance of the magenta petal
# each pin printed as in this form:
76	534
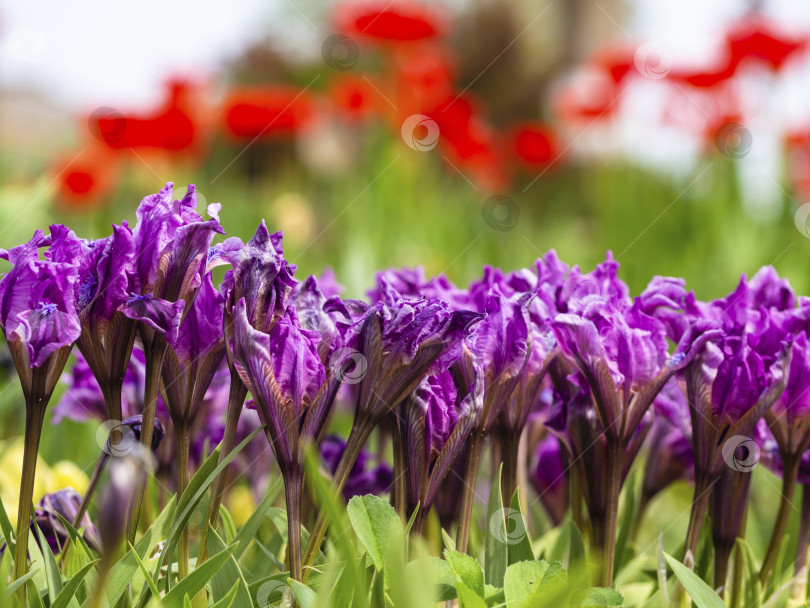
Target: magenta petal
158	314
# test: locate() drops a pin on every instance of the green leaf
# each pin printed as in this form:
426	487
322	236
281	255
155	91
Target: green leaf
412	519
221	583
378	527
7	529
247	533
52	571
449	543
304	596
195	582
466	571
752	593
13	586
467	598
521	549
577	564
702	595
123	572
533	584
145	571
186	601
203	478
71	587
496	549
227	599
596	597
229	528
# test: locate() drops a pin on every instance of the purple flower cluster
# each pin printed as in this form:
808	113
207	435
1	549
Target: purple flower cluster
561	368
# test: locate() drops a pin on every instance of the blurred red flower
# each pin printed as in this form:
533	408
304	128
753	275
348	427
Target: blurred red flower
171	127
266	111
354	97
387	21
535	145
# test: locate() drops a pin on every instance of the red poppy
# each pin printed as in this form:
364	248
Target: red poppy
354	96
616	62
82	181
757	38
386	21
468	142
424	77
535	145
170	128
266	111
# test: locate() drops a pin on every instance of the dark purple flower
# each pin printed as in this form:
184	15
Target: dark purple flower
66	503
194	355
436	420
364	478
172	244
549	477
37	311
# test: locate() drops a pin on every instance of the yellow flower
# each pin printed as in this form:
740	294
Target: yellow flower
240	504
65	474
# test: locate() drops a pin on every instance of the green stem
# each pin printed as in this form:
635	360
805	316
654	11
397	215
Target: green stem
155	351
474	448
34	418
804	530
236	399
293	488
182	444
510	445
700	505
398	490
790	470
357	439
615	464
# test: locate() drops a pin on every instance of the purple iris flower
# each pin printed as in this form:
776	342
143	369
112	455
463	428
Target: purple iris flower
364	478
549	477
293	393
66	503
436	420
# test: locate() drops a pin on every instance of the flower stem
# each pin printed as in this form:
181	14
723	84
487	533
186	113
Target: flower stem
398	490
236	399
155	351
804	530
790	471
34	417
510	445
293	488
474	448
615	464
357	439
700	505
182	444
